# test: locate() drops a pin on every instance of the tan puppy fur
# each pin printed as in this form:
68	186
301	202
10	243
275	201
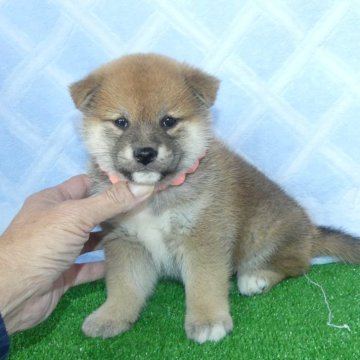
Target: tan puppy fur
147	120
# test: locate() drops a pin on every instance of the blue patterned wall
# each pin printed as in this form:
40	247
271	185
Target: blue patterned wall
289	100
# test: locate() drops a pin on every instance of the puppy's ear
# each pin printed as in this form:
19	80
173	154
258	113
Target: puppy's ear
203	86
83	91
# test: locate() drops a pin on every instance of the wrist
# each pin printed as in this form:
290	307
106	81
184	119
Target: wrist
4	339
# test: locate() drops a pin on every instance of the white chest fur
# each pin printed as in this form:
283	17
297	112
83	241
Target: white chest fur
163	235
152	231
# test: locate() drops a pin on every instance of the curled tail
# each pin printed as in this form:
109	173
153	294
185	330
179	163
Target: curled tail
331	242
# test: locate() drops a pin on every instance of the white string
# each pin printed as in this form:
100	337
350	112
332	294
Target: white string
330	316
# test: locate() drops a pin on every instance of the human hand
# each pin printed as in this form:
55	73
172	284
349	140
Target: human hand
38	250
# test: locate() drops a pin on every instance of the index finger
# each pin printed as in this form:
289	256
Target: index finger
75	188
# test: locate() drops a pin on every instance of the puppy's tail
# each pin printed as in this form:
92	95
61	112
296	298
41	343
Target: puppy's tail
331	242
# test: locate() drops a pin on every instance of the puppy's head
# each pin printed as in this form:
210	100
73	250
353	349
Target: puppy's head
146	117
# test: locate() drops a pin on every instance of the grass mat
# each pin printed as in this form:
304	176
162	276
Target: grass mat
289	322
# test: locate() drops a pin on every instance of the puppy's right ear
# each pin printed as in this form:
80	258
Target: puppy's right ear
83	91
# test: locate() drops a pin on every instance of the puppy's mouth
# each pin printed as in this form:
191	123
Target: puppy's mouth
154	177
144	177
152	174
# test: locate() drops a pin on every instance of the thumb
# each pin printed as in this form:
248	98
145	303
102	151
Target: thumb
115	200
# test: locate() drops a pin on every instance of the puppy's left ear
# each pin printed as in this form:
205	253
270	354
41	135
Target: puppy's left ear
83	91
203	86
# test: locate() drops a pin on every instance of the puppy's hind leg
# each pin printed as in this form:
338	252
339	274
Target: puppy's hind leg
130	278
252	281
258	281
282	250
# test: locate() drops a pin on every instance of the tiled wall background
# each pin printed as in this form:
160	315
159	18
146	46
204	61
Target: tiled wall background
289	101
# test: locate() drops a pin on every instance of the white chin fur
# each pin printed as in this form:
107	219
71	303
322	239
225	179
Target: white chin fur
146	178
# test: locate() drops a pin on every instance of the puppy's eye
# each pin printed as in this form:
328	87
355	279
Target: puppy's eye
168	122
121	123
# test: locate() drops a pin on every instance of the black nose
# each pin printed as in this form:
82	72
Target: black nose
145	155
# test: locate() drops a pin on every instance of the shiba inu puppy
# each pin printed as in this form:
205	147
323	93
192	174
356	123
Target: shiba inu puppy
147	121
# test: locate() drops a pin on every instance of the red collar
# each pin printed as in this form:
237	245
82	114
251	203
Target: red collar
176	182
182	177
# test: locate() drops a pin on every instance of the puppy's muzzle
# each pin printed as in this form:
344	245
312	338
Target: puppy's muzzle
145	155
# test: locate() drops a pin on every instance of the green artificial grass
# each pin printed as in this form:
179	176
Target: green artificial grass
289	322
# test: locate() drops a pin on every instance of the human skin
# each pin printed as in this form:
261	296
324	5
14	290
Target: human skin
40	246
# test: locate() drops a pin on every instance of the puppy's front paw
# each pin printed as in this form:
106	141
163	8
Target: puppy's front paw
103	323
211	330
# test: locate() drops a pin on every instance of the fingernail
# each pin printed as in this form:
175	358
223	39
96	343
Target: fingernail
114	179
140	191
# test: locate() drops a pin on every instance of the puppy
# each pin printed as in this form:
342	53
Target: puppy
147	121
